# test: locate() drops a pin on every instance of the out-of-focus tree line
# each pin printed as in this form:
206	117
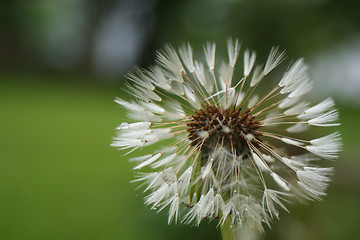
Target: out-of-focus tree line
108	37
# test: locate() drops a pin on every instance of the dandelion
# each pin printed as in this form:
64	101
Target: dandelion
222	151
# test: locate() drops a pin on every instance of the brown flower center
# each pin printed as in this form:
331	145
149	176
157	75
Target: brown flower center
213	125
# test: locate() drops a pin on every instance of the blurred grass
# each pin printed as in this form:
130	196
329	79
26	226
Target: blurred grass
60	179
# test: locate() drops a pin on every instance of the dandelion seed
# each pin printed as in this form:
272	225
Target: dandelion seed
223	157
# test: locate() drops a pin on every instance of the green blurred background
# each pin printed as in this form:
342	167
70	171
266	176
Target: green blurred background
61	65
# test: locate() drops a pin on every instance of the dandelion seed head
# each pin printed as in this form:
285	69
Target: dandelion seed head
226	149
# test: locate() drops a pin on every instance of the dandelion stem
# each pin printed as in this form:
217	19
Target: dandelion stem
227	230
